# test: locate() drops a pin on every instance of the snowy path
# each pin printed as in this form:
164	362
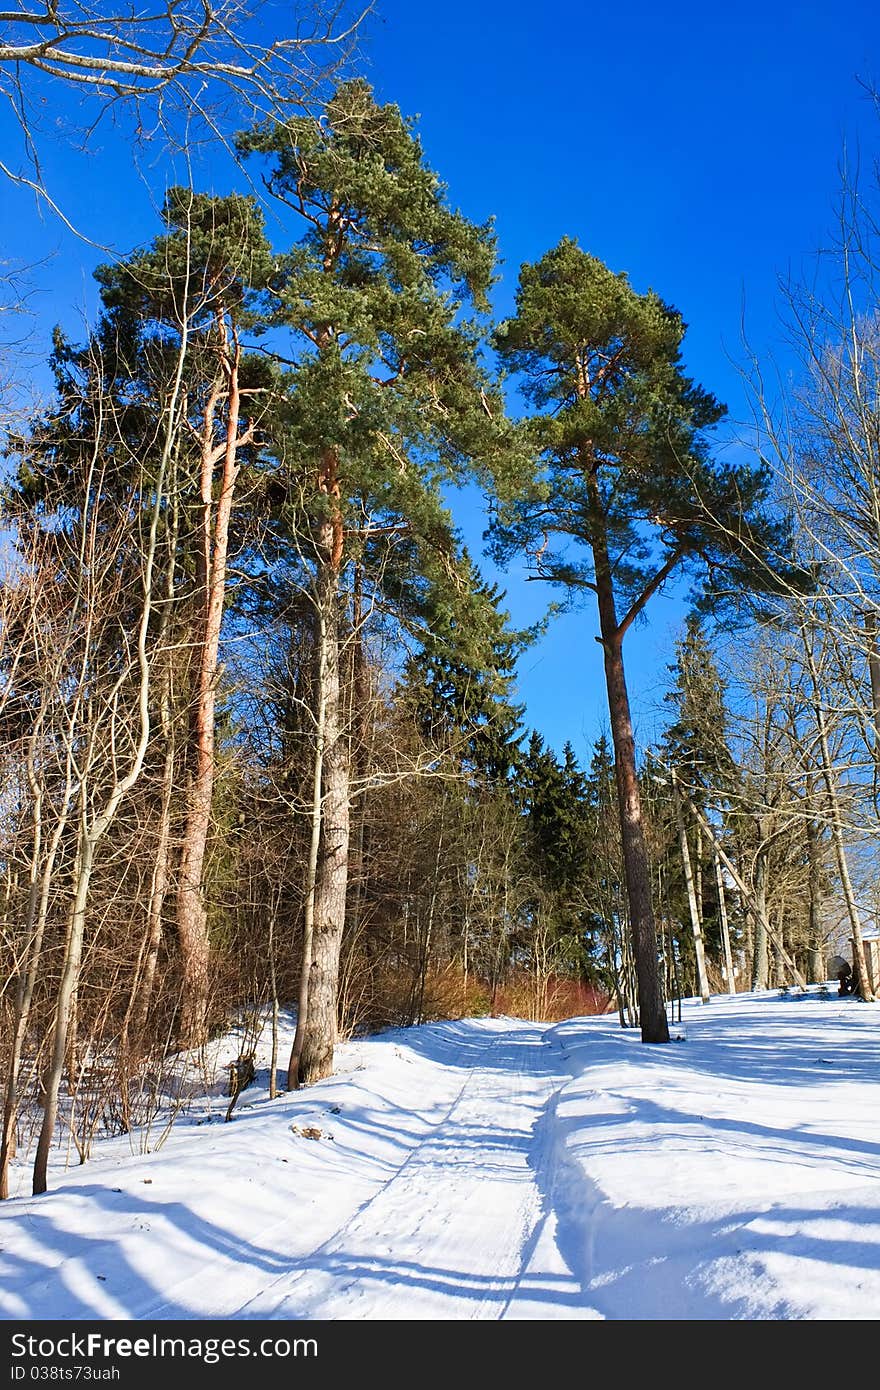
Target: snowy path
427	1197
451	1233
493	1169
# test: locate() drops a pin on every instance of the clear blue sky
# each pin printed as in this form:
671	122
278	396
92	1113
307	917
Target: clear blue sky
694	146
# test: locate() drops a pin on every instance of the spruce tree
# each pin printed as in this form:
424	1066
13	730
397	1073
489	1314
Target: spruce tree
696	742
555	797
459	684
628	495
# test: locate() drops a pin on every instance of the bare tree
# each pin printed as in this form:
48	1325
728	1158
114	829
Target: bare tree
172	61
693	904
822	435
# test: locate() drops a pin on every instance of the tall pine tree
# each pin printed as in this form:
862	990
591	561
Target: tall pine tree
388	400
628	495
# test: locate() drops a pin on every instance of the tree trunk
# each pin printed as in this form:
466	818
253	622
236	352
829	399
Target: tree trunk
27	977
859	963
779	979
874	673
90	836
748	896
652	1013
63	1008
145	973
324	602
816	935
331	879
40	886
725	928
698	873
192	916
693	906
637	869
425	940
761	961
273	985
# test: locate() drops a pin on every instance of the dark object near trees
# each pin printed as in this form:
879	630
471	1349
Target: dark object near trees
848	983
241	1074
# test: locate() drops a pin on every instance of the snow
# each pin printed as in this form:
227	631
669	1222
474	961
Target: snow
493	1168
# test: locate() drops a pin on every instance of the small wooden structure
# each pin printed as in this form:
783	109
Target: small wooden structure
871	943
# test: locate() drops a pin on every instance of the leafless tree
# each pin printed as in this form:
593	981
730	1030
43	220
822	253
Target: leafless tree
173	61
820	428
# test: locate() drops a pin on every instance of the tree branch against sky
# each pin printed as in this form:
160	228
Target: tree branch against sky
176	69
121	52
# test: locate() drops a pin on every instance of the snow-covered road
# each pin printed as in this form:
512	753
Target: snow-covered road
426	1194
453	1231
494	1168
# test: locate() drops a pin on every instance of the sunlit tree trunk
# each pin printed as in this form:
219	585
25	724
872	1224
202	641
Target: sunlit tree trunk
331	874
693	905
192	916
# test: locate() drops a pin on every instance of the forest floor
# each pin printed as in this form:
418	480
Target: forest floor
493	1168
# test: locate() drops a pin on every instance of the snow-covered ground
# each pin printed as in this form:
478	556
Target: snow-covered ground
496	1168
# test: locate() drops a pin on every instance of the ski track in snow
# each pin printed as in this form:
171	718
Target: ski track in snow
492	1169
449	1235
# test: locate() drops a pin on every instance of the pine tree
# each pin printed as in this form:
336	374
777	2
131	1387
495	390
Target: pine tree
165	395
388	400
627	496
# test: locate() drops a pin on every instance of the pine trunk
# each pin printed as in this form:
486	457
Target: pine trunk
330	884
192	916
325	601
331	875
652	1012
636	864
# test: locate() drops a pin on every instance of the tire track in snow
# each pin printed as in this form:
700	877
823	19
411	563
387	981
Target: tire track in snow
195	1279
288	1283
449	1235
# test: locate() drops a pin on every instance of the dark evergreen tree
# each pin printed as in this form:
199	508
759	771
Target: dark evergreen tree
554	795
460	682
695	749
606	894
696	743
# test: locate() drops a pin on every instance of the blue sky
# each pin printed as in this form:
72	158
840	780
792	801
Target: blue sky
695	147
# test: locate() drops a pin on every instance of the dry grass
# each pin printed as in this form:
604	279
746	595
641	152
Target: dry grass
391	997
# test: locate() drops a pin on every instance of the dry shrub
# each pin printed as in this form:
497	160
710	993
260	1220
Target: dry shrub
550	999
449	993
384	994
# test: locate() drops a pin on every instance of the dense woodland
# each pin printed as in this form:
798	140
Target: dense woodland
261	742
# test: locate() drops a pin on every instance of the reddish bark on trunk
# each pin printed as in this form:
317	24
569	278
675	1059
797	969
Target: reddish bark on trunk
192	919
